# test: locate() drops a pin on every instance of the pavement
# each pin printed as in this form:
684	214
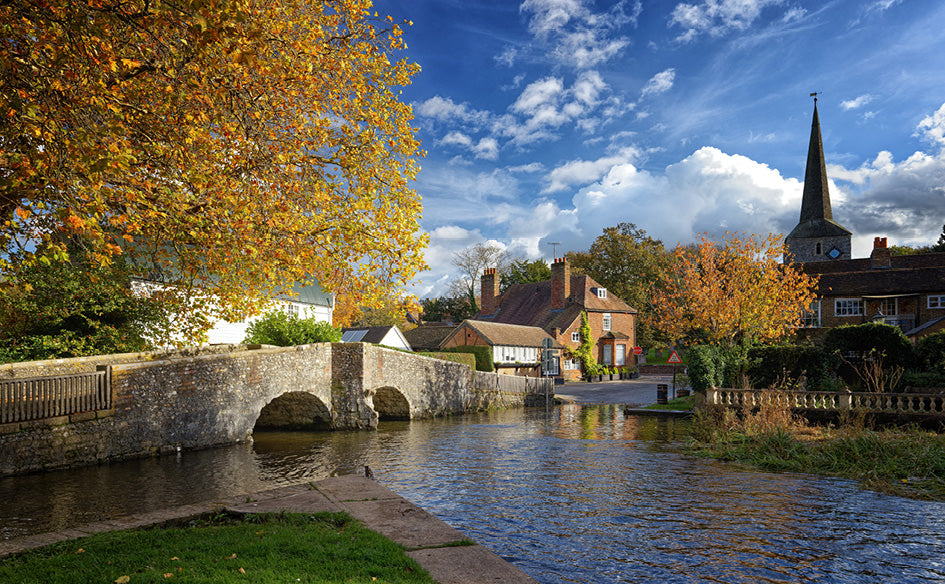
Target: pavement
429	541
629	392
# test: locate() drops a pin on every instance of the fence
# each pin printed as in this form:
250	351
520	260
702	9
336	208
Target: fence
35	398
887	403
513	383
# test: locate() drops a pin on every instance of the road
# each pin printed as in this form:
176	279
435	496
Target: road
640	391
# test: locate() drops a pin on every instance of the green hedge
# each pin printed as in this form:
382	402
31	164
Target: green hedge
770	364
483	355
883	339
464	358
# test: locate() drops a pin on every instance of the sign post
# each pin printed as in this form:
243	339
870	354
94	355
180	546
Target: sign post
675	360
547	362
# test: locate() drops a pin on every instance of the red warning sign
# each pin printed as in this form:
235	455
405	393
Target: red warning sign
674	358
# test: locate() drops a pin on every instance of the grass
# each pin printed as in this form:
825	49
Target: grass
326	548
679	403
908	462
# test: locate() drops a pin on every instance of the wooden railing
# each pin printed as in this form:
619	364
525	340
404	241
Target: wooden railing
892	403
513	383
35	398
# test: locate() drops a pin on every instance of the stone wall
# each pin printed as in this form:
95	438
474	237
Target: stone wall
188	402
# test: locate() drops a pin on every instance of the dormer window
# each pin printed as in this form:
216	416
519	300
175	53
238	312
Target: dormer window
602	292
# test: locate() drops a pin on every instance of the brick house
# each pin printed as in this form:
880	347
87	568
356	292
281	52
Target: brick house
556	306
906	291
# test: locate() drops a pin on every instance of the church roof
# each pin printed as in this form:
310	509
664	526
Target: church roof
816	214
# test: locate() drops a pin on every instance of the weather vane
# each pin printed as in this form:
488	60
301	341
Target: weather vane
815	94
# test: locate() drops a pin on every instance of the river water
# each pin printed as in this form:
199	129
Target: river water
577	494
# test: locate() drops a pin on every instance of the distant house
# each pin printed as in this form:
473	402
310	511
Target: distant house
516	349
906	291
429	336
556	306
388	336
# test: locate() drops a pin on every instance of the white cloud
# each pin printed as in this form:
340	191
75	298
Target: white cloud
932	128
659	83
579	36
507	57
446	110
487	149
582	172
457	139
541	93
718	17
857	102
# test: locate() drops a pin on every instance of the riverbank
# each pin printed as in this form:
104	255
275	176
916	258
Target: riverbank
443	552
908	462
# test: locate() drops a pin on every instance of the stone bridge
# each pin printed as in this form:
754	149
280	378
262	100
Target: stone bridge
168	405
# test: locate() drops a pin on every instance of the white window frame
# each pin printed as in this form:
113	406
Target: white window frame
572	365
810	318
620	355
602	292
575	337
607	321
848	307
608	358
890	306
936	301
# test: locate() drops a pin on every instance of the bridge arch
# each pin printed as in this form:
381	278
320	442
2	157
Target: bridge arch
391	404
294	410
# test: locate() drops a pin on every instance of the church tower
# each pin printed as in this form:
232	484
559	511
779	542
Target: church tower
817	237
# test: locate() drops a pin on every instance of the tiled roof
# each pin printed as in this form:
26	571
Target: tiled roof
912	274
428	337
530	304
511	335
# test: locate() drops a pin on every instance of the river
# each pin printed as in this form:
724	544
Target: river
577	494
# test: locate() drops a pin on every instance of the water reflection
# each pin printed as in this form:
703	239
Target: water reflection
577	494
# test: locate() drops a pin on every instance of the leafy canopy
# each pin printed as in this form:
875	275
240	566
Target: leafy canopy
732	292
522	271
230	148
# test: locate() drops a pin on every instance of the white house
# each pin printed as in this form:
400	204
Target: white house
389	336
311	301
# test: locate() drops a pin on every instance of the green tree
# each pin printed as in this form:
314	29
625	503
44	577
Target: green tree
57	309
524	272
628	262
442	309
282	329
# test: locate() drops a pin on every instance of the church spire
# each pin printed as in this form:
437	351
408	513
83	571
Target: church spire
815	203
817	237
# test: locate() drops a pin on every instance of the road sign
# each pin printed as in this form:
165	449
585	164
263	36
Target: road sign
674	358
638	350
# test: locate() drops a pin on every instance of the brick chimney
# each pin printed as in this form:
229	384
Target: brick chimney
490	291
880	257
560	283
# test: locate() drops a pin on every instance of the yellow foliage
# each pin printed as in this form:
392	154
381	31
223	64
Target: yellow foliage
234	147
733	290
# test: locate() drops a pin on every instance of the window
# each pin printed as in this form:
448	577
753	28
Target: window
572	365
848	307
819	249
889	306
575	337
607	321
293	309
621	357
602	292
608	354
937	301
811	317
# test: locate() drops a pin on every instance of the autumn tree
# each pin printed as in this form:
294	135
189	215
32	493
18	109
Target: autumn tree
628	262
732	292
471	262
227	148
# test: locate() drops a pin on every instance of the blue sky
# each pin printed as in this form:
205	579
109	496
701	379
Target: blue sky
548	120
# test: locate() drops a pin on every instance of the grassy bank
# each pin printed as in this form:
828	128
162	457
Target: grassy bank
266	548
908	462
679	403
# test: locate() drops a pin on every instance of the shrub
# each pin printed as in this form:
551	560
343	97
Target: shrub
931	352
882	339
483	356
286	330
771	364
464	358
706	367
